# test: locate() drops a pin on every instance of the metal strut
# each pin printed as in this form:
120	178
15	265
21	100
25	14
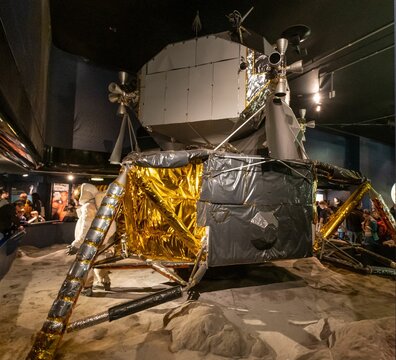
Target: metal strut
127	308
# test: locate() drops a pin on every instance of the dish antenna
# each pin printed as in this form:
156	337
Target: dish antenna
297	34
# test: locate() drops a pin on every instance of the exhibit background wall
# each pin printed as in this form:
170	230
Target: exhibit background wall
377	161
80	116
96	125
327	148
61	96
374	160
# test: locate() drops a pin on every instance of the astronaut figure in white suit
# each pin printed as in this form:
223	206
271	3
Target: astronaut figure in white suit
90	200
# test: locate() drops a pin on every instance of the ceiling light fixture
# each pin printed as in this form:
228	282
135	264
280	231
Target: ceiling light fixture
70	177
25	175
316	98
96	179
318	108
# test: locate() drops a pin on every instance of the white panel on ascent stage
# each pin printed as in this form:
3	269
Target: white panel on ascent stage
200	93
176	93
225	89
154	99
174	56
193	81
213	49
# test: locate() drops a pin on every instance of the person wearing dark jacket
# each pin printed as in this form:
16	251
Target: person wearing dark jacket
9	221
353	223
37	205
324	214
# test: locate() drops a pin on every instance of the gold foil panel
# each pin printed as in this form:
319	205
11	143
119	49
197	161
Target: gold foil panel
160	212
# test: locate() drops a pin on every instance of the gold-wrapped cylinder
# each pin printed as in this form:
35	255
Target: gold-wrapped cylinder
337	218
51	333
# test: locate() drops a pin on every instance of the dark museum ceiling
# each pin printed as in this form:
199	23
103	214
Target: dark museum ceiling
351	47
352	39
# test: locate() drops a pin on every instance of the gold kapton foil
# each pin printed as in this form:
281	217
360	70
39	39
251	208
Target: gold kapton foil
160	212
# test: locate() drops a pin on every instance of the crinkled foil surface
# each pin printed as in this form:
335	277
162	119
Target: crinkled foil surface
160	212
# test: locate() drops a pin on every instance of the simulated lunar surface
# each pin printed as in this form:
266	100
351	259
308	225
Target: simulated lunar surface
289	309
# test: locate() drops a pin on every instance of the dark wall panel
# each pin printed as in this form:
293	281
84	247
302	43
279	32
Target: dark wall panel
80	115
96	125
377	162
326	147
61	95
25	39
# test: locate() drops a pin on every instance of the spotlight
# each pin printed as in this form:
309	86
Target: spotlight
318	108
70	177
25	175
96	179
316	98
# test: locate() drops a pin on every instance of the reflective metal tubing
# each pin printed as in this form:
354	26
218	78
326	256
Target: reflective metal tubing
378	270
157	266
88	321
47	340
378	257
128	308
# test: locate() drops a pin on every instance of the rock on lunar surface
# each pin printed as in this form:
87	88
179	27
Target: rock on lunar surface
203	327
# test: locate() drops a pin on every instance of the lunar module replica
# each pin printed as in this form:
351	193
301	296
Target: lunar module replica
207	198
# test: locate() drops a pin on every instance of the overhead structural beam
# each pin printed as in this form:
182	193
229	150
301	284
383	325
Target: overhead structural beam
329	57
353	43
358	60
363	122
